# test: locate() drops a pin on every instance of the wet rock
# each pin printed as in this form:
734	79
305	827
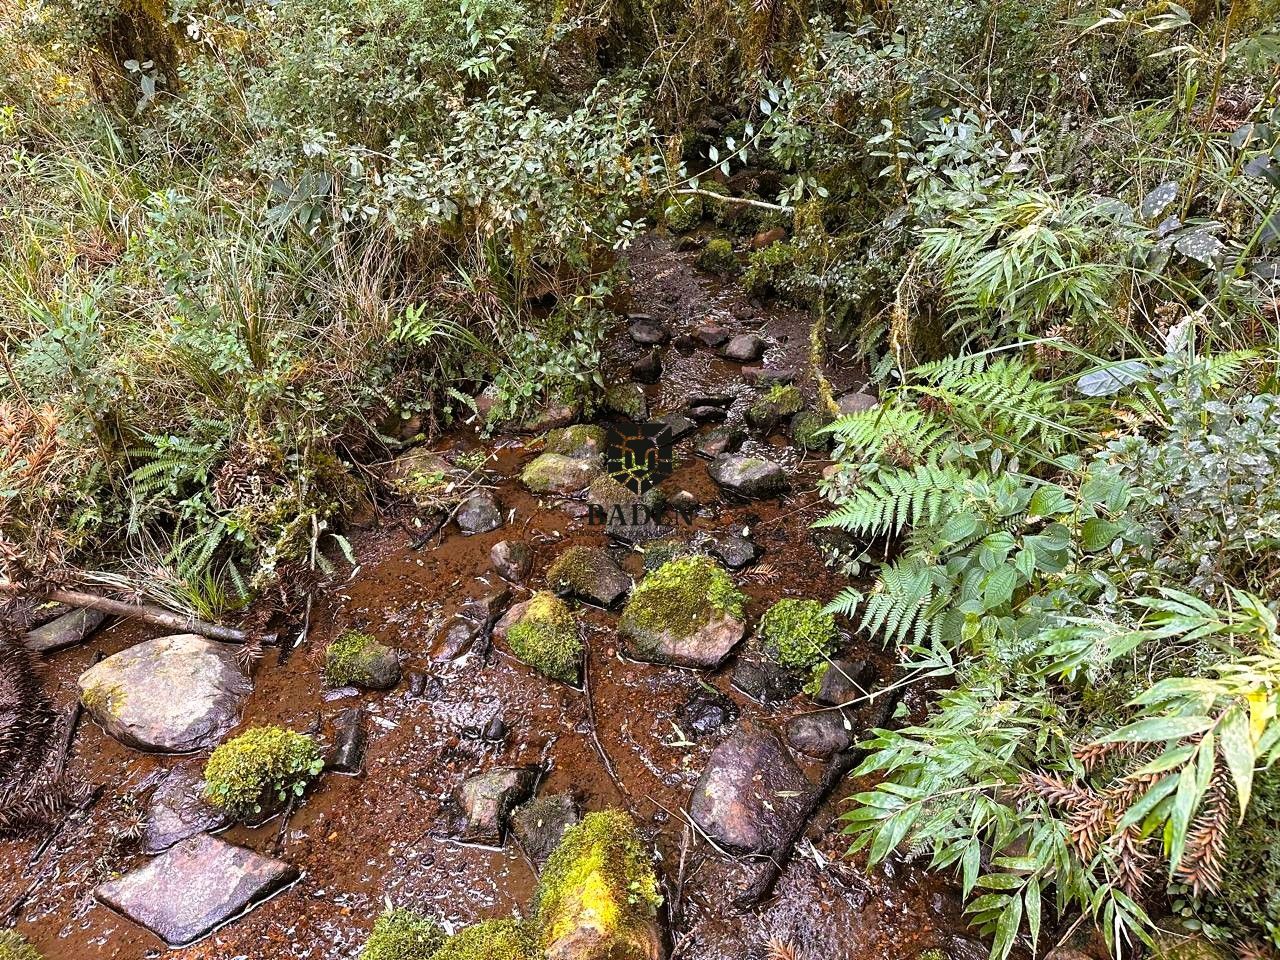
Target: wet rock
711	335
419	469
360	659
768	376
495	731
687	613
556	473
733	550
648	369
178	810
647	331
549	416
685	344
339	693
539	825
590	574
511	560
346	755
764	680
479	513
708	414
706	647
804	430
706	711
683	502
455	639
819	735
767	238
711	400
856	403
66	631
719	441
582	442
752	478
489	797
627	400
625	515
486	609
195	887
844	681
171	694
679	426
744	348
750	793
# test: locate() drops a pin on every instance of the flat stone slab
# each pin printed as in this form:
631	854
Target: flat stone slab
195	887
172	694
66	631
178	811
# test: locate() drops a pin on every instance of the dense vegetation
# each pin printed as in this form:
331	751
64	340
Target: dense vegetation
248	249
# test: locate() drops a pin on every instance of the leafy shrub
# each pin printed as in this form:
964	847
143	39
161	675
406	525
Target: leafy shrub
403	935
259	769
798	633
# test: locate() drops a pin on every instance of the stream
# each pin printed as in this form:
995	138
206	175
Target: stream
390	833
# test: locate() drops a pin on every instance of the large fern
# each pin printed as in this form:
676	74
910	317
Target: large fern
896	499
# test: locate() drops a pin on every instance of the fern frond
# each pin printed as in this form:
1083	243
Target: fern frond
899	498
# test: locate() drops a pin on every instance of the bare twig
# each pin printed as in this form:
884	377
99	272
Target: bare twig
145	612
747	201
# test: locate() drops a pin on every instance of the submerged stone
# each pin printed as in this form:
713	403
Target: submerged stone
195	887
511	559
489	797
819	735
479	513
65	631
744	348
178	810
539	825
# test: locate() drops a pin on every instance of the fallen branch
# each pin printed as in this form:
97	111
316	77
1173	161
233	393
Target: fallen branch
723	198
836	770
145	612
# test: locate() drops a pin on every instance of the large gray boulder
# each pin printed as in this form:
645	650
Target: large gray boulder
752	478
750	793
556	473
172	694
195	887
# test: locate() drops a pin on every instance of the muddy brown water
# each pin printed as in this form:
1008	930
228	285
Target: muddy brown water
385	836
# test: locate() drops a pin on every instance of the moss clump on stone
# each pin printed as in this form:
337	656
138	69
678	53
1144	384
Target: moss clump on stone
806	429
781	400
260	769
351	659
556	473
599	877
819	673
682	213
579	441
718	257
546	638
608	493
577	569
14	946
796	633
769	269
490	940
680	597
658	552
403	935
626	400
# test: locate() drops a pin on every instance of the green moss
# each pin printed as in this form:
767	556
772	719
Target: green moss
626	400
718	257
103	699
658	552
769	269
682	213
796	633
1170	947
491	940
403	935
576	570
546	638
580	441
351	658
609	493
781	400
681	596
14	946
553	472
814	686
259	769
600	875
805	430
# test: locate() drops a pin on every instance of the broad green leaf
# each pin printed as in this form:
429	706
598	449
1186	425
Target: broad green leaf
1158	728
1237	751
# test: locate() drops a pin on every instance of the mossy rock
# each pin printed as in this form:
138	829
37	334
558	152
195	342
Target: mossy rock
769	269
797	633
780	401
403	935
556	473
14	946
687	612
806	430
255	773
683	213
358	659
543	633
718	257
590	574
583	441
660	551
491	940
1173	947
598	894
626	400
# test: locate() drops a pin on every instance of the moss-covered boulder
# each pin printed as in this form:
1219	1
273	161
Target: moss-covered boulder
543	633
598	896
13	946
806	430
780	401
797	633
683	213
491	940
1171	946
559	474
403	935
358	659
584	441
687	612
589	574
255	773
626	400
718	257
